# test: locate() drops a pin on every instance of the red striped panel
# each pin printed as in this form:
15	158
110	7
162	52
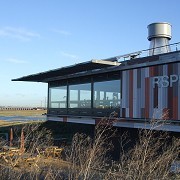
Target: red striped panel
151	71
175	108
170	101
64	119
170	93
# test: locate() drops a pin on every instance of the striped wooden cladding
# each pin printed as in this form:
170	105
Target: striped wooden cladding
146	98
64	119
141	100
131	93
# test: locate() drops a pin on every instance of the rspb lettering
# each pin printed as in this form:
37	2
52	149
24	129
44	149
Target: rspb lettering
166	81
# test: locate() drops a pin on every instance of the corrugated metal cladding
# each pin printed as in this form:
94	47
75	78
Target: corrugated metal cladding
142	99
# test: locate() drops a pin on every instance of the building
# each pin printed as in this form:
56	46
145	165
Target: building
132	88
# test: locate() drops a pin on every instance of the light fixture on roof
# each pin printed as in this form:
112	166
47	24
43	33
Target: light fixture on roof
112	63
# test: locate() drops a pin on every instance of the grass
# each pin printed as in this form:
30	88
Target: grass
22	112
15	123
18	113
86	158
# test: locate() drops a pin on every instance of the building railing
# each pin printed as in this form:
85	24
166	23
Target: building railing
149	52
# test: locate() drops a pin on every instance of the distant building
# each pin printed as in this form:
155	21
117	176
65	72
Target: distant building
132	88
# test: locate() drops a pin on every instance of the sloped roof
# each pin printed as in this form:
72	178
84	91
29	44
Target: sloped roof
68	70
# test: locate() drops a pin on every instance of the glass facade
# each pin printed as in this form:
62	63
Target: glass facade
107	94
93	98
58	97
80	96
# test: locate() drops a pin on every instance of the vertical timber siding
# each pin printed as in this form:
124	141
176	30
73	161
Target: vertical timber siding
141	100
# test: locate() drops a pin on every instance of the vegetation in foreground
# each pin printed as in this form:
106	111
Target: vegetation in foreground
87	157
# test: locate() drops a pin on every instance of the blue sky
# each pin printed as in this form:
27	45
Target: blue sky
39	35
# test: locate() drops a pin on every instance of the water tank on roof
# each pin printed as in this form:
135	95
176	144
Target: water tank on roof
159	35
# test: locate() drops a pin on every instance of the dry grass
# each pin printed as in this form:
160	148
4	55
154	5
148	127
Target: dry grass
7	113
86	158
22	112
150	158
10	123
88	155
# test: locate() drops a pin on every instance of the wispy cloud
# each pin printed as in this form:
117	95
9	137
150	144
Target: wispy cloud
20	95
62	32
72	56
18	33
16	61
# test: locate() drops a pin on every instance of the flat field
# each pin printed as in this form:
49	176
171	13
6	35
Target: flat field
22	112
14	113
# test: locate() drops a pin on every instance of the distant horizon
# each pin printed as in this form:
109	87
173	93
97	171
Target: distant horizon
23	106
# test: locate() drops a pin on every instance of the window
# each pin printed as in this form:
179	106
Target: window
107	94
58	97
80	96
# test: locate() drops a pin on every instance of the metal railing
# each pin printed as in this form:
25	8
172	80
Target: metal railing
148	52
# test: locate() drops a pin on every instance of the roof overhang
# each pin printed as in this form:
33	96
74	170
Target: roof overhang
92	65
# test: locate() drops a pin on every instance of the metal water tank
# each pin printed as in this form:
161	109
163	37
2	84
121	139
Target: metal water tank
159	35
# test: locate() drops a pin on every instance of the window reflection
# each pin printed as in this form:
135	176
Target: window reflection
58	97
80	96
107	94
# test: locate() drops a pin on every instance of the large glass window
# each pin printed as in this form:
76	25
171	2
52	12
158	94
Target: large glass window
58	97
80	96
107	94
